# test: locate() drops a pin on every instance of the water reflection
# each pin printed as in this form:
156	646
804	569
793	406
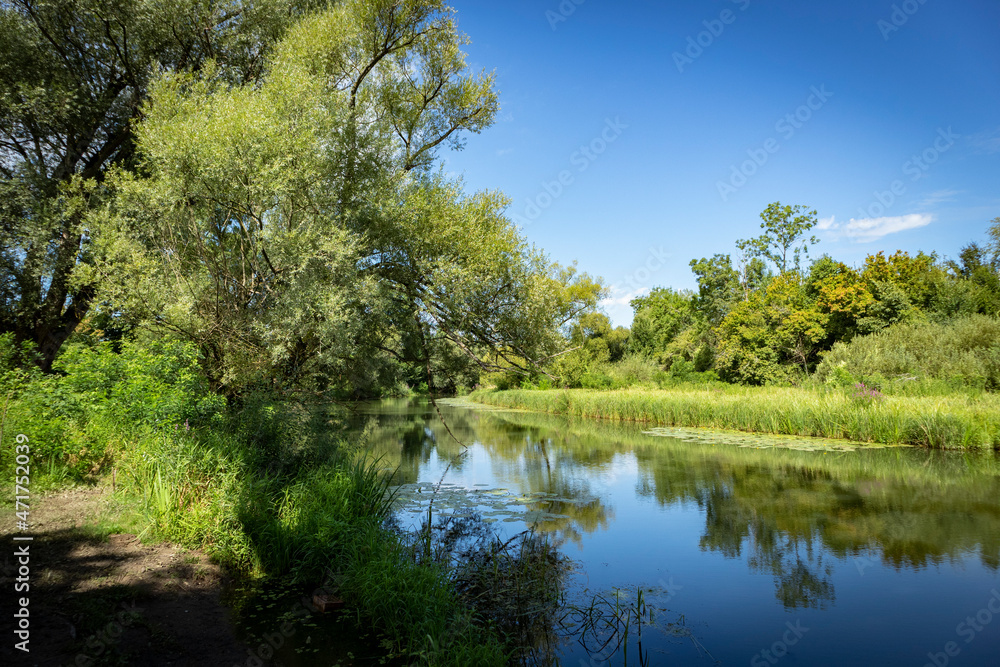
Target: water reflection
809	521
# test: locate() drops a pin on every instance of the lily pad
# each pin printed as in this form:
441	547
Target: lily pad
760	440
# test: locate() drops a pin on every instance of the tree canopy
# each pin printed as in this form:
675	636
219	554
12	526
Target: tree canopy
295	228
73	78
753	326
782	242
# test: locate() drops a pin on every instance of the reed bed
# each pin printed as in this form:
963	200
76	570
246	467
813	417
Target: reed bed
942	422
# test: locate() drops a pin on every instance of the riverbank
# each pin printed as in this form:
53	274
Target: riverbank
947	422
264	487
99	595
823	532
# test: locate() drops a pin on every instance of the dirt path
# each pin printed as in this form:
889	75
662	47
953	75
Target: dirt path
114	600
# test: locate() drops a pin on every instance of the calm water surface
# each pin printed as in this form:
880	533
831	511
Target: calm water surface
753	556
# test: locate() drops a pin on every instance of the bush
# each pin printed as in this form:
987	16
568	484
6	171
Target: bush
683	372
264	486
157	383
596	379
98	399
963	352
634	370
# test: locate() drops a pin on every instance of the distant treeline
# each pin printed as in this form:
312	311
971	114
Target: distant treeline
763	317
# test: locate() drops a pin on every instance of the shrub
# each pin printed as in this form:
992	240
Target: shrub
596	379
865	395
684	372
98	399
964	352
634	370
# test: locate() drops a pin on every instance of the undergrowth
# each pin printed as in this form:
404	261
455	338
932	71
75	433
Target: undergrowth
266	488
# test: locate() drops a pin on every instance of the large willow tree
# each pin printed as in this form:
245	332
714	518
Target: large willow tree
297	229
73	77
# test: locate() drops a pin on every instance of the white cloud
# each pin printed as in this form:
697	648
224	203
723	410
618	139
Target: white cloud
986	142
866	230
621	297
938	197
504	151
872	229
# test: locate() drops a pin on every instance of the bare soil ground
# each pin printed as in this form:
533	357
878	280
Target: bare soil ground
98	600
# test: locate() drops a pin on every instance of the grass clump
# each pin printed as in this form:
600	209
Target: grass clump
312	509
958	421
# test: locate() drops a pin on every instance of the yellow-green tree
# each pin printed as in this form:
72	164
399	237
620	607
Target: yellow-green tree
777	330
296	231
783	242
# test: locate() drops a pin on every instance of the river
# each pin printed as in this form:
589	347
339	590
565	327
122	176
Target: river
746	550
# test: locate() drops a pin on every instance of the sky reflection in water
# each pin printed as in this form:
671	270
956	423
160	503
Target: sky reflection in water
766	556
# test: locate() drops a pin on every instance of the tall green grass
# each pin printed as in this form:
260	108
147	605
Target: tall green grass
947	422
272	502
265	487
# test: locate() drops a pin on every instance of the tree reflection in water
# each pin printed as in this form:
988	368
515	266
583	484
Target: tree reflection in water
790	514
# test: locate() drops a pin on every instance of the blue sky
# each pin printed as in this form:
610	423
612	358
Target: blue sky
636	136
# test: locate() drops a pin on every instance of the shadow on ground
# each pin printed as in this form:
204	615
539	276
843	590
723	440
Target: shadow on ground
111	600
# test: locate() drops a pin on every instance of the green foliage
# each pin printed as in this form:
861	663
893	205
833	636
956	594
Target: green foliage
593	331
752	327
660	317
783	227
593	346
271	490
158	383
16	369
635	370
964	352
719	287
295	231
683	372
993	246
942	422
775	330
902	282
596	378
841	293
416	604
73	76
265	486
77	419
